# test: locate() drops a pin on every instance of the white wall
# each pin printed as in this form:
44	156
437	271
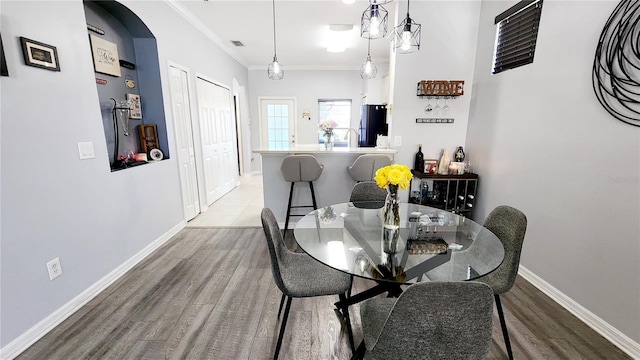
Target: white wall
54	205
307	86
447	50
542	143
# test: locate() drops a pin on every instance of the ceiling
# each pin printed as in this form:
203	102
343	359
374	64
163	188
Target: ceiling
302	28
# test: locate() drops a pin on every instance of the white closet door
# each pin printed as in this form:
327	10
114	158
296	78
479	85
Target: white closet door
218	140
179	84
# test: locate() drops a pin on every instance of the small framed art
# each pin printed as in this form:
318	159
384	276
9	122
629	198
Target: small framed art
39	54
430	166
105	56
135	110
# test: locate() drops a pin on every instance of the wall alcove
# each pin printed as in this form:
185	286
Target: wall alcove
117	35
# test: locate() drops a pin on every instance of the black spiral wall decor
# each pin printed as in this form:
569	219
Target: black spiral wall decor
616	67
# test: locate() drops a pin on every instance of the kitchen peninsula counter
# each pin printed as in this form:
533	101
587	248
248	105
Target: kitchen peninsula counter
333	186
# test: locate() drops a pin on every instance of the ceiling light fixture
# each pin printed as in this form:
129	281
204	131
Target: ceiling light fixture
275	71
338	37
368	69
406	38
373	23
379	2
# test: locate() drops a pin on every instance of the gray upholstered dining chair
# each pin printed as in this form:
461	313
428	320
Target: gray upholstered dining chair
509	225
365	166
298	275
367	191
430	320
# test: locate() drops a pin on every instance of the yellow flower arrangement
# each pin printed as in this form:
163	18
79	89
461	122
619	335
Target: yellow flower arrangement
394	174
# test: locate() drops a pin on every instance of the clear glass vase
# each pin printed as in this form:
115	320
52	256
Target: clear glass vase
391	221
328	140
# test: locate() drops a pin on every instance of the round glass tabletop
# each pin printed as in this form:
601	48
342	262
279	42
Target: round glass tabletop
434	245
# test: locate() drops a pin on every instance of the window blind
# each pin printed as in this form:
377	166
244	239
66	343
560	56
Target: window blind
516	35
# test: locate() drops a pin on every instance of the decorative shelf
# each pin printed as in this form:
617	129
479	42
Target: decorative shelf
434	121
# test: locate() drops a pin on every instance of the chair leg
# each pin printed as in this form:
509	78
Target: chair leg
503	324
345	313
286	221
359	353
282	327
281	303
313	196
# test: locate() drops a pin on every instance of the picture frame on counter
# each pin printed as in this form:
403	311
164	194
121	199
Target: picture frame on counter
39	54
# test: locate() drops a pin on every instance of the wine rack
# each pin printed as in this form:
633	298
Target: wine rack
455	193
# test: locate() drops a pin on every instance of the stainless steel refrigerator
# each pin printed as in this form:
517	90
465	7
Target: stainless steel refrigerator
373	122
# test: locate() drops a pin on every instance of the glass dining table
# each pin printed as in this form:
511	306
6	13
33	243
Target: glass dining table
434	245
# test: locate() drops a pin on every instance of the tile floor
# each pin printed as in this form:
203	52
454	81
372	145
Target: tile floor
240	208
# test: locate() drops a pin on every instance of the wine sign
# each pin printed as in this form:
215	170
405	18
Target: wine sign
440	88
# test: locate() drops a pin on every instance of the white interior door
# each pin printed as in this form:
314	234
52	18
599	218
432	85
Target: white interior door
277	123
217	130
179	84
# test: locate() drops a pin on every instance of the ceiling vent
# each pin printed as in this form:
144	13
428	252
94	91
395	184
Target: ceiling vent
237	43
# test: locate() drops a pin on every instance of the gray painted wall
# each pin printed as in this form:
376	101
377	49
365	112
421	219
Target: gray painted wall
541	142
52	203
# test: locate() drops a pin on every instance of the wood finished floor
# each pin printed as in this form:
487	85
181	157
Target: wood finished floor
209	294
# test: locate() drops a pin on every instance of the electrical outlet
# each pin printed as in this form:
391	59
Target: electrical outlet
55	269
397	140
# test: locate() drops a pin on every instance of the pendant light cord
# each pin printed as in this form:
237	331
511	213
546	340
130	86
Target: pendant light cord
274	27
369	49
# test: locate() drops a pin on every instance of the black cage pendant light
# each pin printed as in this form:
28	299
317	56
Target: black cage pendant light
373	23
275	70
368	69
406	37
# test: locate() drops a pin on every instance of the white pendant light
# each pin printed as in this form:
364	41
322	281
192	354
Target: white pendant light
406	37
275	70
368	69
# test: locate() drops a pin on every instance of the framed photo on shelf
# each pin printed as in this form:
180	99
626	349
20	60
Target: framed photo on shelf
105	56
430	166
39	54
135	110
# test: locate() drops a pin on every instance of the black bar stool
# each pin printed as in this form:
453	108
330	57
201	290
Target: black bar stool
300	168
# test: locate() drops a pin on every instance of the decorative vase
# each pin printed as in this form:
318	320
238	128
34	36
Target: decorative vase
328	139
391	221
443	164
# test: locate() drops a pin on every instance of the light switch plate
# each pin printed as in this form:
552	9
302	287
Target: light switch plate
86	150
397	140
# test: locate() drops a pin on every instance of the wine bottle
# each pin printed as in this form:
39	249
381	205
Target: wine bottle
418	165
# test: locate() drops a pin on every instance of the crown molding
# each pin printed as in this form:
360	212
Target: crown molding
200	26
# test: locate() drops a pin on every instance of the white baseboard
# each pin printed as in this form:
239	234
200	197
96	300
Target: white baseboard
28	338
603	328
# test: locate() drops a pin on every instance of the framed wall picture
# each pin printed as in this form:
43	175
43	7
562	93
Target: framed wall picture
135	109
105	56
4	71
39	54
